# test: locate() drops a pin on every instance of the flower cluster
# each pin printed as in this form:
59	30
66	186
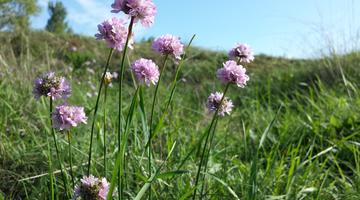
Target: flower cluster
242	52
230	73
168	45
91	188
213	103
64	117
233	73
146	71
49	85
114	32
143	10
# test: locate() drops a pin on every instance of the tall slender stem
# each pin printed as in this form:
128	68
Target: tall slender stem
120	155
104	129
51	171
207	155
207	139
120	97
70	159
152	117
96	108
57	152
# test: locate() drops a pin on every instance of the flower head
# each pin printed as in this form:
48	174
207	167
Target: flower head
242	52
146	71
143	10
65	116
167	45
114	32
91	188
52	86
108	78
213	103
233	73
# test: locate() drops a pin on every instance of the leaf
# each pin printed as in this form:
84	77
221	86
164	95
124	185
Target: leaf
172	173
267	130
225	185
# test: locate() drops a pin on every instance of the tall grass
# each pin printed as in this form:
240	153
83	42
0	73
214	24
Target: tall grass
308	149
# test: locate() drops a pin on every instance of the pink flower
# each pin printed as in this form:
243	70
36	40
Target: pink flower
146	71
104	189
114	32
52	86
233	73
143	10
91	187
64	117
213	103
167	45
242	52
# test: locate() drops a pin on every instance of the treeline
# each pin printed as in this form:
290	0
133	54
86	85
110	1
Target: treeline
15	16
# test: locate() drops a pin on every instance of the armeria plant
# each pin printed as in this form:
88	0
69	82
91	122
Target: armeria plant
119	37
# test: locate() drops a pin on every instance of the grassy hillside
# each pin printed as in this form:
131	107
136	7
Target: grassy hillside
309	111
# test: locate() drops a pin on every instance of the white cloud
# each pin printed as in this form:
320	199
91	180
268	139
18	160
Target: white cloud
87	14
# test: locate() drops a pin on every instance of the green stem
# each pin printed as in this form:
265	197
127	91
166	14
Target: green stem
120	155
173	89
70	158
104	129
51	171
96	108
65	182
152	116
207	139
120	192
207	155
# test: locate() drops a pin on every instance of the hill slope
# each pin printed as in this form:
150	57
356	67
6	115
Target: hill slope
311	150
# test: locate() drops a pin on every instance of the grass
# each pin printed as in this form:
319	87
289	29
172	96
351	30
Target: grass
293	135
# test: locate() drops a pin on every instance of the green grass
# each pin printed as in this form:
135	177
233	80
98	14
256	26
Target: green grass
309	150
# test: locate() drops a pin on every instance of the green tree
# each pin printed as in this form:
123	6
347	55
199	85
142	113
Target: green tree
15	14
56	23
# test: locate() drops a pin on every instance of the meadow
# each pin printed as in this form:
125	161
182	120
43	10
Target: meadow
293	134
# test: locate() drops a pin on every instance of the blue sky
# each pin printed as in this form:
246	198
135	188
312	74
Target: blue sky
291	28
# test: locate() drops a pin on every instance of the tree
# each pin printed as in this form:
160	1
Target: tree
56	23
15	14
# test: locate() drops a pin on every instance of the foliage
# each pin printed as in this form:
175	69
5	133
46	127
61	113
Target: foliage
310	150
15	14
56	22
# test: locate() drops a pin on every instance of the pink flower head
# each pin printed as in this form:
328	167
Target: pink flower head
143	10
65	116
91	187
146	71
213	104
52	86
242	52
168	44
114	32
233	73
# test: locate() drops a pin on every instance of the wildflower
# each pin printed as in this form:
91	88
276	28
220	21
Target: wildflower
65	116
233	73
108	78
52	86
114	32
146	71
143	10
91	188
115	75
213	104
242	52
168	44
